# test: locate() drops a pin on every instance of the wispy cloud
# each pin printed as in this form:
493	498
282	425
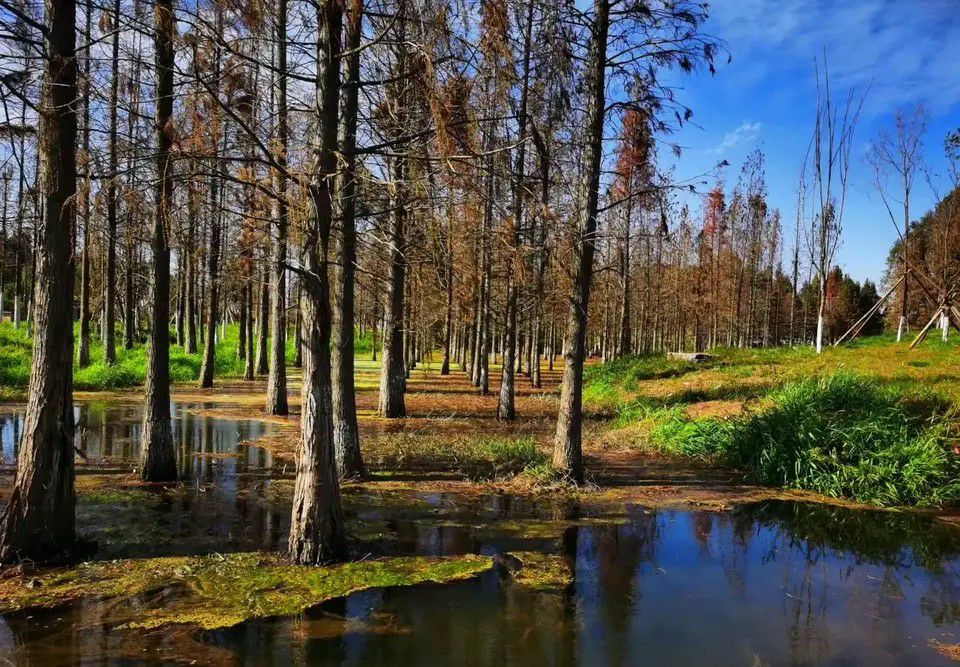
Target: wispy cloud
901	50
746	134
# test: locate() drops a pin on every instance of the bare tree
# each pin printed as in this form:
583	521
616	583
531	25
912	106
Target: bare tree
828	166
898	156
157	458
38	521
317	532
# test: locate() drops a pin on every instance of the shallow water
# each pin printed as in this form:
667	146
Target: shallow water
218	507
775	583
111	432
673	588
772	584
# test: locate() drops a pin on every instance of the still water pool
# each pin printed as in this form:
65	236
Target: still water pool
773	583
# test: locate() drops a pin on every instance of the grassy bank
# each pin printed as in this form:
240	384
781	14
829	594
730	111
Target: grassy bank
130	368
872	422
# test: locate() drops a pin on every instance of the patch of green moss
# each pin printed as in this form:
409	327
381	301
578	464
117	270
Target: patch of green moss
120	496
540	571
102	579
220	591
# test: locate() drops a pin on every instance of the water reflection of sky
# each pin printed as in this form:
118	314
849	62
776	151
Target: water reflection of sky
777	583
665	588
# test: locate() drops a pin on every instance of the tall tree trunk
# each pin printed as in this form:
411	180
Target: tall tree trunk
624	343
17	255
181	300
346	435
506	408
568	450
904	263
129	314
158	462
38	521
208	366
83	352
6	176
316	528
264	321
393	382
242	315
393	365
110	281
191	262
448	286
213	290
277	377
793	284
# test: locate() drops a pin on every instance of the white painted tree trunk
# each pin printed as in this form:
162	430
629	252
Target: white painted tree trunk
901	328
819	341
944	326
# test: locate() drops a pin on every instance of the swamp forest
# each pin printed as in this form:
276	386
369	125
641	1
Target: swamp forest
484	332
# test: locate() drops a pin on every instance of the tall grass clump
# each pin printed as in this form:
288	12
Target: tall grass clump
842	435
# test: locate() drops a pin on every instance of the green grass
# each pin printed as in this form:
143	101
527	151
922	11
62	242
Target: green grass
15	352
16	348
869	420
606	384
843	435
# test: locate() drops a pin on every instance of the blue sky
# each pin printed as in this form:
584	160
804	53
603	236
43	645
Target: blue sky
903	51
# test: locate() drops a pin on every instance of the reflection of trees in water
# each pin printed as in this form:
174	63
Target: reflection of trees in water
608	563
940	601
846	545
806	606
702	528
733	551
869	536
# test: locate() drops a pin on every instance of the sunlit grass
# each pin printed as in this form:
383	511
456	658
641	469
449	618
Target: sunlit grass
129	371
842	435
869	421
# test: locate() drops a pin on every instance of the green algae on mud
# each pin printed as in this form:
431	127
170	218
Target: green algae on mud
220	591
541	572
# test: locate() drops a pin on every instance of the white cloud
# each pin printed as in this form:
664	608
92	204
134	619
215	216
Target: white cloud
747	133
903	50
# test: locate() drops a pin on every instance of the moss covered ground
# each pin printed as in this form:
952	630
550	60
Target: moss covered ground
219	591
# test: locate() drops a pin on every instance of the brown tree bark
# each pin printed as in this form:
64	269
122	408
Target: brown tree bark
264	321
158	461
393	365
506	407
110	281
568	446
191	315
346	434
38	521
316	528
83	351
277	377
209	363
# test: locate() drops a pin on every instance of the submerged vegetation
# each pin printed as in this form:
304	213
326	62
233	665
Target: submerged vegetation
541	572
219	591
